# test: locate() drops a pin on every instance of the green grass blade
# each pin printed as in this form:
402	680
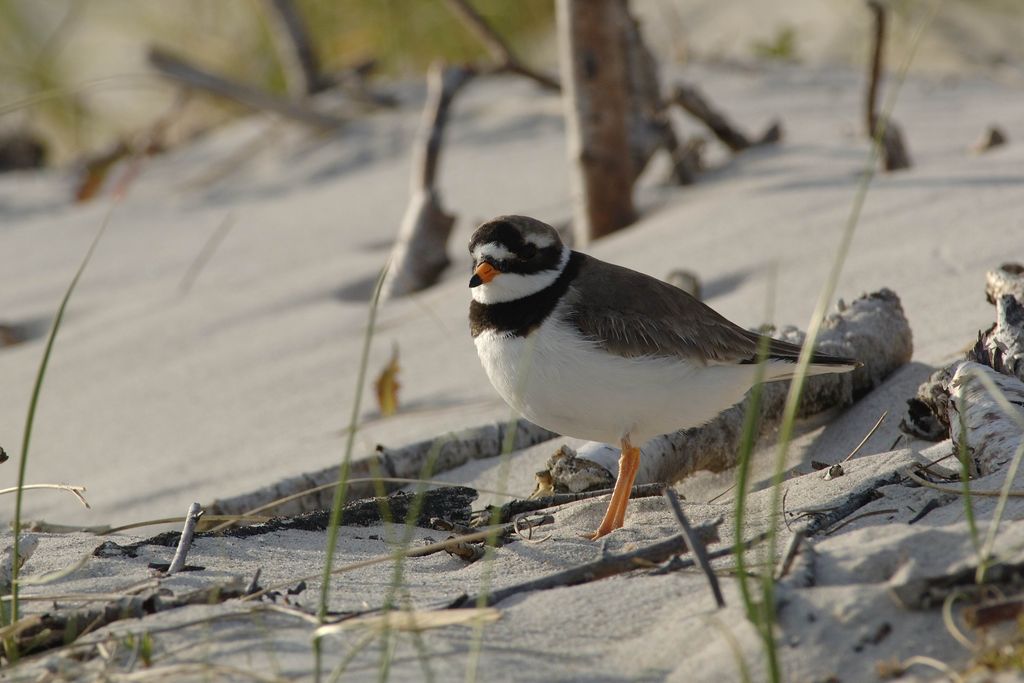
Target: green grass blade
31	417
341	490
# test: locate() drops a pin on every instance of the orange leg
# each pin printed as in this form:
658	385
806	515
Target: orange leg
615	515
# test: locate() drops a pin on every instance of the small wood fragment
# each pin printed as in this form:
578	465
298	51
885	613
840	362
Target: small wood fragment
994	136
195	511
27	544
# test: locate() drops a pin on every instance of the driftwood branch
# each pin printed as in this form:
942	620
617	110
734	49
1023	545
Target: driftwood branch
693	102
991	435
178	69
930	414
890	136
608	565
496	45
873	329
596	90
53	629
448	451
295	46
420	253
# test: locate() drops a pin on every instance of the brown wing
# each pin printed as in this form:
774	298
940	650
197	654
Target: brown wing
633	315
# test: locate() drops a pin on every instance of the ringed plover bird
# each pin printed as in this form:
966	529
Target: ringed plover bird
595	351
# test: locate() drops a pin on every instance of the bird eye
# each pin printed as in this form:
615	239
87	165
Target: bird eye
528	251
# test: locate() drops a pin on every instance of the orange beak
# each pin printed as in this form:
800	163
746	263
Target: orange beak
483	274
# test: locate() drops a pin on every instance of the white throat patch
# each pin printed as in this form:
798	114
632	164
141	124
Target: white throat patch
512	286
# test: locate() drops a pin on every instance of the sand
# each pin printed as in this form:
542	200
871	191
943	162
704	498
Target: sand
156	397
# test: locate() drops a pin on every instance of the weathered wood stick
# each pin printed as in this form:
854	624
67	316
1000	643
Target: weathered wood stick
894	152
178	69
696	546
693	102
609	565
448	451
420	253
873	329
496	45
295	45
195	511
57	628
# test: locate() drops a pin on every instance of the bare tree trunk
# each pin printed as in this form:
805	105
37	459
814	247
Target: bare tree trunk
594	65
295	46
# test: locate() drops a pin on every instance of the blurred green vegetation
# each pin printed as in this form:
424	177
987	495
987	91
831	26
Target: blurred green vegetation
57	45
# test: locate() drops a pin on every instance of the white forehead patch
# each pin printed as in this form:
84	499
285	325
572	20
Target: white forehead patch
492	249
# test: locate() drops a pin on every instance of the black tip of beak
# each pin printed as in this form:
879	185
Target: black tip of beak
475	281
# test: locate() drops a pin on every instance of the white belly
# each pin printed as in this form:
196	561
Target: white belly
576	389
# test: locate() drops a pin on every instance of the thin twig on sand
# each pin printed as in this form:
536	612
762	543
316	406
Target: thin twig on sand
608	565
696	546
195	511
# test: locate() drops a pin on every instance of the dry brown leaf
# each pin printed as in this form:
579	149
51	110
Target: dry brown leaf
387	386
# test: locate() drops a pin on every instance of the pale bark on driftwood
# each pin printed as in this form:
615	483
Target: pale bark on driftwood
177	69
446	451
991	436
1008	279
593	55
893	150
1001	348
873	329
420	253
496	45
